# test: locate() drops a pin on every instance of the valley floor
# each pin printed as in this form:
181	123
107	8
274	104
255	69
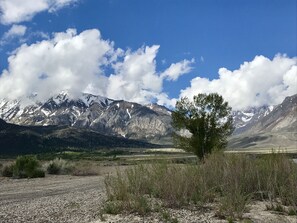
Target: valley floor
79	199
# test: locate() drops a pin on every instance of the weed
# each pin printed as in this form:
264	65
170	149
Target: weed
167	217
59	166
113	207
234	180
7	170
292	211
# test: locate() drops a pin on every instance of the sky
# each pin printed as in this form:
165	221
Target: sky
150	50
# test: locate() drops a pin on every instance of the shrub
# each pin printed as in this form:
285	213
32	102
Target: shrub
27	166
7	170
232	179
59	166
38	173
53	168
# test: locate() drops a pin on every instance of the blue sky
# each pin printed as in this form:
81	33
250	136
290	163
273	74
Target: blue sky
215	34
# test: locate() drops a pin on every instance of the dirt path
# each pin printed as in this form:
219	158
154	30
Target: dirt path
51	199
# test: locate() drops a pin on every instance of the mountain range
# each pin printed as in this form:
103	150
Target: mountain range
92	114
110	117
267	126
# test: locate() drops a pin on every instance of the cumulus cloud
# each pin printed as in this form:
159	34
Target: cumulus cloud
66	62
135	77
84	62
259	82
16	11
80	62
177	69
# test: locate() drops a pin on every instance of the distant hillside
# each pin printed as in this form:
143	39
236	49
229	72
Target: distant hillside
15	139
275	129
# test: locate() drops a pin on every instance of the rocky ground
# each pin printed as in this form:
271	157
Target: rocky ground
51	199
79	199
256	214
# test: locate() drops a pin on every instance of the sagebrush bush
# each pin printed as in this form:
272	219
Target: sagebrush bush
7	170
27	166
59	166
232	179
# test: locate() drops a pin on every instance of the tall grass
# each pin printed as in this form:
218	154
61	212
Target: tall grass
232	179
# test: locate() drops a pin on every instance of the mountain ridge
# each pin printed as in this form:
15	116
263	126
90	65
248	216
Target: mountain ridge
150	123
114	117
276	129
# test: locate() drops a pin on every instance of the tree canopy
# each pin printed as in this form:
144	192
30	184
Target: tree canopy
203	124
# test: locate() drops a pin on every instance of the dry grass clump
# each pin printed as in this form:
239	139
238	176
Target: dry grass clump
231	179
86	169
80	168
59	166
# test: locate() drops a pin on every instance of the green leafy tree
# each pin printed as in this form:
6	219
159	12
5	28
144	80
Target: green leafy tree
207	120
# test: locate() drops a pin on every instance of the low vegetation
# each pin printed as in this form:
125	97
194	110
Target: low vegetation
30	167
59	166
231	181
24	167
82	168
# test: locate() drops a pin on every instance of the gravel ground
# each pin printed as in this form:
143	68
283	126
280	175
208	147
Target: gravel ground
256	214
51	199
79	199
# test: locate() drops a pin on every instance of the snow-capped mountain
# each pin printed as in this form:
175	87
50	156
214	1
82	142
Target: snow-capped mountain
275	129
126	119
131	120
248	117
267	118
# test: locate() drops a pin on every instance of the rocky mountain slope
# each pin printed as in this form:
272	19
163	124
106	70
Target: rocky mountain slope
243	120
111	117
277	118
274	129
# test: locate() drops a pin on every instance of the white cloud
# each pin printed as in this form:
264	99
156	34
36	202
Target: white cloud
258	82
135	77
58	4
78	62
16	11
177	69
15	31
66	62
